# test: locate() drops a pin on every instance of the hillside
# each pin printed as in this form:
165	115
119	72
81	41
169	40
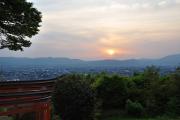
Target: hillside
172	60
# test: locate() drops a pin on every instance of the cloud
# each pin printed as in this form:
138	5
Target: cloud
162	3
83	28
177	1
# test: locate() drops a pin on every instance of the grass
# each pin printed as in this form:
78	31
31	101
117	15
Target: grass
120	118
5	118
120	115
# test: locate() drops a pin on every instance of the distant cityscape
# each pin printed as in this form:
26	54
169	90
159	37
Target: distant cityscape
16	73
16	69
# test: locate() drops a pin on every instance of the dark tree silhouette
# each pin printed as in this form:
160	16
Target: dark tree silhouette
19	20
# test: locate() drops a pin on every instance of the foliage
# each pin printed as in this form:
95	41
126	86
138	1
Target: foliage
173	105
19	20
112	90
134	108
145	94
3	109
74	98
6	118
123	118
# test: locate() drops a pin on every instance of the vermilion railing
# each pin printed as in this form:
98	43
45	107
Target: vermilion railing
19	97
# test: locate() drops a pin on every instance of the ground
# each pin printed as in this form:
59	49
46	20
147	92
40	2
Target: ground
160	118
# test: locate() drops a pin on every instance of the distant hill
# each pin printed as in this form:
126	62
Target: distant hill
172	60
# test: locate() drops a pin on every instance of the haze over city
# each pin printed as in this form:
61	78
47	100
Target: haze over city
105	29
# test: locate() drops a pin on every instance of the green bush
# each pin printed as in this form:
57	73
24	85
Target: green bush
112	90
173	93
134	109
74	98
173	107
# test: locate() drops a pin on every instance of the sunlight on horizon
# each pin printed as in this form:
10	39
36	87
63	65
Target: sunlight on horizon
111	52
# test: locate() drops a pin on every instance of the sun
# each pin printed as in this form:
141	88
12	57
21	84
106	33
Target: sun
110	52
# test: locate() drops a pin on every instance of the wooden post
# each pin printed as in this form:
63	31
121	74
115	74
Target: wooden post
46	112
38	115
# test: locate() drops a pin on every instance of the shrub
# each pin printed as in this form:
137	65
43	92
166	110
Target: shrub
112	90
173	107
74	99
134	109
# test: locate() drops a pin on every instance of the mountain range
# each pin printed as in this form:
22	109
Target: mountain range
171	60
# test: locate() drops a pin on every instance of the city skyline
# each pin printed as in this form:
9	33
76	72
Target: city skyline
105	29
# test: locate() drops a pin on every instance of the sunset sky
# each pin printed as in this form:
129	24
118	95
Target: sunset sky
105	29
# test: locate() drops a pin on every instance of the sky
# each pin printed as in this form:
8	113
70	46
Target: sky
105	29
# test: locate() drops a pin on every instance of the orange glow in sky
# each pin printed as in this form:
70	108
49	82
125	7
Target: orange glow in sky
110	52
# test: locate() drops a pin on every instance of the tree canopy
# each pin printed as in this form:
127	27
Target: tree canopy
19	21
145	94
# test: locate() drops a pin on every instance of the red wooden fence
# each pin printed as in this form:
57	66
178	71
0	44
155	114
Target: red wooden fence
19	97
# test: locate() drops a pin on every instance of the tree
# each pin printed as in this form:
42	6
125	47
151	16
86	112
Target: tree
174	93
74	98
134	109
151	76
151	79
112	90
19	20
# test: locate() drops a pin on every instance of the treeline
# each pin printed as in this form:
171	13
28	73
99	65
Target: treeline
147	94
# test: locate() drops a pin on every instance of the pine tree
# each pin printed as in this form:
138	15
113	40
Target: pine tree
19	20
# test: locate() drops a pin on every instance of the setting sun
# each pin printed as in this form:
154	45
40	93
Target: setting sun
110	51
